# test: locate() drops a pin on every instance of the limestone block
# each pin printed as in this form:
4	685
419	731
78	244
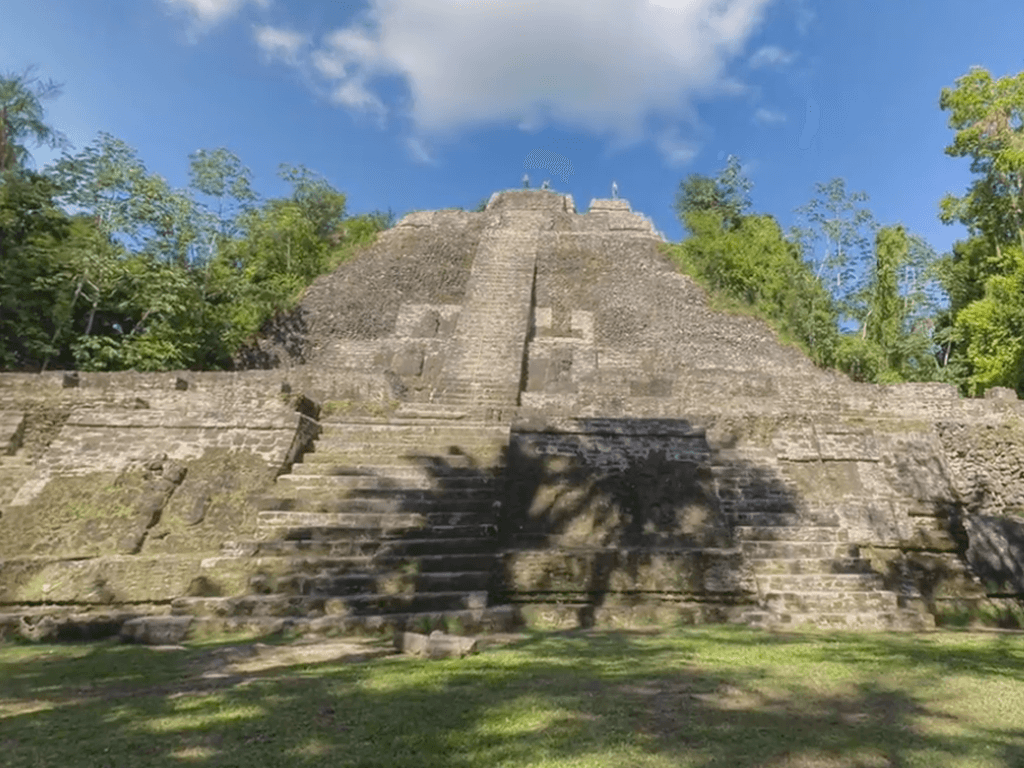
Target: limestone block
651	387
156	630
436	645
796	444
996	550
417	219
426	321
1000	393
606	204
542	320
12	426
846	445
629	221
408	362
583	325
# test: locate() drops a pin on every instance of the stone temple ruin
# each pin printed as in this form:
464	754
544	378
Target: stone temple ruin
485	418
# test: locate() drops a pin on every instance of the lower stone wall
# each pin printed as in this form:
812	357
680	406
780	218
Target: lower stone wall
603	512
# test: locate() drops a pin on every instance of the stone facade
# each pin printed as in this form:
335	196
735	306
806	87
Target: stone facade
520	413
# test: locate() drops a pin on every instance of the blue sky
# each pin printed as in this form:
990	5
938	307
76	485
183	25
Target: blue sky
425	104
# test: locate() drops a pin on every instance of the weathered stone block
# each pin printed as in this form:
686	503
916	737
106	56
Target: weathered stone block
436	645
156	630
408	362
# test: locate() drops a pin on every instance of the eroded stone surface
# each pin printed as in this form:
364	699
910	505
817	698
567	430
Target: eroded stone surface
520	411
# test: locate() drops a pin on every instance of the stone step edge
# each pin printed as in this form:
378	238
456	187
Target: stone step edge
353	559
184	602
334	423
176	629
841	619
379	574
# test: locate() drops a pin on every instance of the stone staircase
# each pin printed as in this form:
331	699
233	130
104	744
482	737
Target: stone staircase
15	468
386	523
492	329
806	570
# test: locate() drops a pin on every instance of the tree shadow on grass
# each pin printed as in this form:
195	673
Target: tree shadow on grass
590	697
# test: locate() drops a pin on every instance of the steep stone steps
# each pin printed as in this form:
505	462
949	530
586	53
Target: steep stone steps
809	574
331	584
790	533
491	332
338	527
307	606
463	503
797	549
797	566
362	478
271	554
818	582
440	460
387	517
898	620
501	618
15	471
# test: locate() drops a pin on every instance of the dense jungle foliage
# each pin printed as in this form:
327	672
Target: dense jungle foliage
104	266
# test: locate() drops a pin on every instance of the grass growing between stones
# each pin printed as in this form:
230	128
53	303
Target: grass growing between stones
705	696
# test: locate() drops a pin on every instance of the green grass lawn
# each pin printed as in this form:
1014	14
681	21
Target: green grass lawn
699	696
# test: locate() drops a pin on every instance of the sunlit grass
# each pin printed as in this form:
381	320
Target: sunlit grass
703	696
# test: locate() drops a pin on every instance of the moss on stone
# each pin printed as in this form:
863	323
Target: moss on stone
75	516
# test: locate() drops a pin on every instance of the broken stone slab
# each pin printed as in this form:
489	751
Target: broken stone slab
59	627
436	645
156	630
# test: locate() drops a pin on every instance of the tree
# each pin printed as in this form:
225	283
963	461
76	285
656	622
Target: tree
988	117
21	118
321	204
980	331
834	219
726	194
883	319
31	229
753	262
220	175
136	207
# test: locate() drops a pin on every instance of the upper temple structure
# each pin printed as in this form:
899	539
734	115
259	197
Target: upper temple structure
523	414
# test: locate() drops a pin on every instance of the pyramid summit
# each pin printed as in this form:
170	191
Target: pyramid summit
519	414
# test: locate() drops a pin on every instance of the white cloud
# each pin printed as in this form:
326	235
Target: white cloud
353	93
280	44
206	13
763	115
675	150
418	151
805	16
604	66
771	56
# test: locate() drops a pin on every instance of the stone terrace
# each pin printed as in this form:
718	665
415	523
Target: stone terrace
521	413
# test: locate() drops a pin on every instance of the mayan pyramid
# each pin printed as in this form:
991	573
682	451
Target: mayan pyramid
522	414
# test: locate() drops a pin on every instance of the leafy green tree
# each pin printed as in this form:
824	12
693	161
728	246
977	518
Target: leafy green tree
220	176
834	220
990	331
320	203
884	317
752	262
138	208
988	117
727	194
32	228
21	118
979	333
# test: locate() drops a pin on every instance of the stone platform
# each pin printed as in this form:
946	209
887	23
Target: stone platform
524	414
